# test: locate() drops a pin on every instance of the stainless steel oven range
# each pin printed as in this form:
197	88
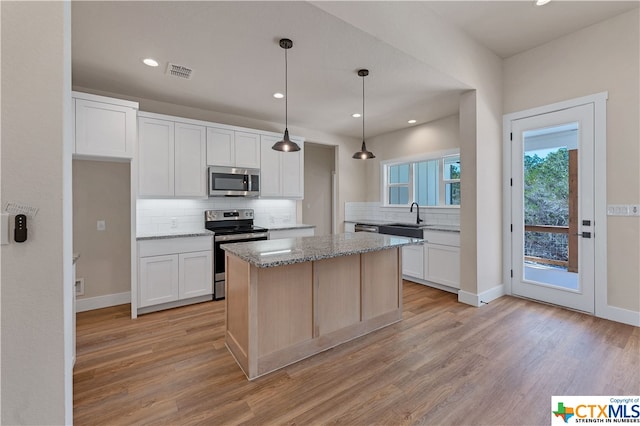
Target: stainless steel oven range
229	226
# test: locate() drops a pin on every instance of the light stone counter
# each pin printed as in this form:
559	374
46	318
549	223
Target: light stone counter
287	251
180	234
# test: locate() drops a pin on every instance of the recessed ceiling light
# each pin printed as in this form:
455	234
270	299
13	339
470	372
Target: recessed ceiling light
278	95
356	115
411	121
150	62
542	2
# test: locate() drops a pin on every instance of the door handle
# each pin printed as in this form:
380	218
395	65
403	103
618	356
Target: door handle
583	234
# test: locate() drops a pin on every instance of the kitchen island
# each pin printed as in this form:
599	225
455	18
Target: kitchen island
292	298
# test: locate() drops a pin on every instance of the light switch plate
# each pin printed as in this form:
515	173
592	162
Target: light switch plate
617	210
102	225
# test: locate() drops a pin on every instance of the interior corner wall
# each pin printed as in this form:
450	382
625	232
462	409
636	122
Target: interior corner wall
468	191
602	57
102	191
36	274
437	135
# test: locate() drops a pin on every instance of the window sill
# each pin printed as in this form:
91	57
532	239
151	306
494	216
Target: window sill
395	206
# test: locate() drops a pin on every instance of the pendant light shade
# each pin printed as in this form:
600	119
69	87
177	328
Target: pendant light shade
363	154
286	144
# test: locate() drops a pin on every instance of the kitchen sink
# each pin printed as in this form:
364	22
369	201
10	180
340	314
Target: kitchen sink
401	229
407	225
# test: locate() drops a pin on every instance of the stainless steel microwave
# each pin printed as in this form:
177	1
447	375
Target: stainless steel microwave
233	182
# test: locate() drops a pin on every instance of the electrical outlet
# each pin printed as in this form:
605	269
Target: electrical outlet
174	222
80	287
634	210
102	225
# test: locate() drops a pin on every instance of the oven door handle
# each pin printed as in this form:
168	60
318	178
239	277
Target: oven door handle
236	237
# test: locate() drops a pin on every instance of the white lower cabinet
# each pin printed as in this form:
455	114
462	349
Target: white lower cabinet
442	258
442	264
413	261
174	269
435	262
158	280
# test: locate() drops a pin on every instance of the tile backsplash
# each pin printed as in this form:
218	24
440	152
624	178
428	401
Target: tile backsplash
375	211
167	216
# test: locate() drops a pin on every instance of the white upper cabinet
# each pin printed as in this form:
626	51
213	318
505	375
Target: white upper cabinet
156	154
190	160
281	173
247	152
171	159
220	147
104	127
232	148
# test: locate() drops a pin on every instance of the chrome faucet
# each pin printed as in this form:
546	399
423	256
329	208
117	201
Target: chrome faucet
418	220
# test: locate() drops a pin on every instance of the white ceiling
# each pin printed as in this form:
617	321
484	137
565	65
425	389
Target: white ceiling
233	49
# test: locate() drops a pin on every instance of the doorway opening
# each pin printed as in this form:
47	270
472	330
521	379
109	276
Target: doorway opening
318	206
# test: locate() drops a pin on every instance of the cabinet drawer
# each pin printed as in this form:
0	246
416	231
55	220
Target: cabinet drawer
441	237
165	246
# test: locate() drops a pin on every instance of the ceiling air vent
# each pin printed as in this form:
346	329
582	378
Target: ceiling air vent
179	71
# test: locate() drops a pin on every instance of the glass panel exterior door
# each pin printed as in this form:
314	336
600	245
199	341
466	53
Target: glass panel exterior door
552	212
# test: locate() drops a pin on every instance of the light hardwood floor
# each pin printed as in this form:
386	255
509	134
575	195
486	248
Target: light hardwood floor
445	363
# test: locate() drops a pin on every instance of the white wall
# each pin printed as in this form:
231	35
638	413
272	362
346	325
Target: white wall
101	191
448	49
438	135
36	170
603	57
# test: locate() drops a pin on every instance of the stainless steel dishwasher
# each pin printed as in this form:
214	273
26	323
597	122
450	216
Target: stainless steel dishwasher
362	227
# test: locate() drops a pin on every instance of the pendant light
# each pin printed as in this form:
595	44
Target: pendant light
286	144
363	154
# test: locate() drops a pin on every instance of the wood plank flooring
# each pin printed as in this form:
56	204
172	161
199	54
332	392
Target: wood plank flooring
446	363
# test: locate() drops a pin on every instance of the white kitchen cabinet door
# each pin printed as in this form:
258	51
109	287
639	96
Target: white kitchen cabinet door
282	173
292	164
104	130
196	274
158	280
220	147
349	227
270	178
190	161
413	261
155	157
247	150
442	264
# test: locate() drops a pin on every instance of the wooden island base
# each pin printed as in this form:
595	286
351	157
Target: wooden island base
279	315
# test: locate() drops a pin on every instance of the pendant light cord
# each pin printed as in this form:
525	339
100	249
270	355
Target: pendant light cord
362	108
286	94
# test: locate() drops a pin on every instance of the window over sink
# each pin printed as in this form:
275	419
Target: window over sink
429	180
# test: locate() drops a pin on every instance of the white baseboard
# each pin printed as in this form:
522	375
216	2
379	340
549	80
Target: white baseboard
483	298
622	315
98	302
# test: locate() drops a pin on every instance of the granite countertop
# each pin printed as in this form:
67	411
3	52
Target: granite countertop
286	251
426	227
281	227
179	234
